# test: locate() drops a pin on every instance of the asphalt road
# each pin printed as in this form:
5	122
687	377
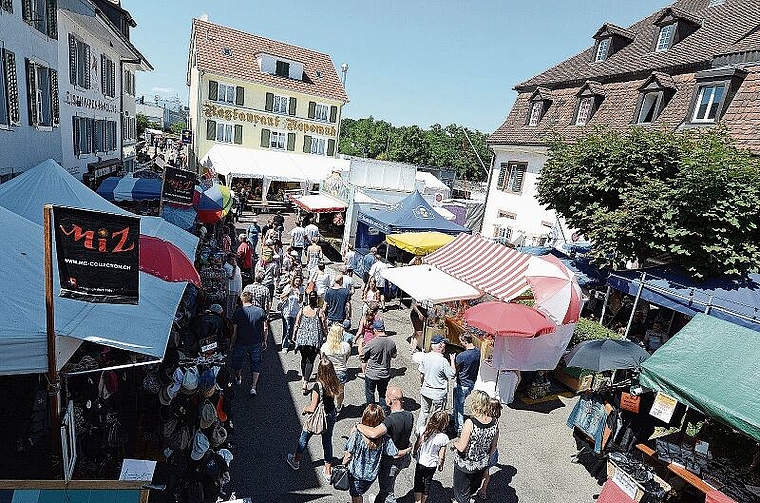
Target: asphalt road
535	446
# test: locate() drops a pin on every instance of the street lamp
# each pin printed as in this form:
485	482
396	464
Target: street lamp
344	71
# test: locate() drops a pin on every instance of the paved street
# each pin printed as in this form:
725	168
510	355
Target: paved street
535	445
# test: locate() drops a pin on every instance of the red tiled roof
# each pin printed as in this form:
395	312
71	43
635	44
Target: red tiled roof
210	41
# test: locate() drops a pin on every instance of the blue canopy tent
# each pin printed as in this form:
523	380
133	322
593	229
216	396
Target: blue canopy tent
130	189
411	214
734	299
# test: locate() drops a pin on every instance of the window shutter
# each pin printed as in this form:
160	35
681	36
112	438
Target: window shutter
90	137
312	109
31	91
14	113
330	147
307	144
26	10
269	103
103	85
238	134
265	138
51	9
210	130
291	141
239	96
292	106
517	183
72	59
502	176
76	135
213	90
113	79
54	103
8	5
87	67
333	113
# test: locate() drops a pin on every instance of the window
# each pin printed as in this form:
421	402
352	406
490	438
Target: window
502	234
41	15
9	104
318	146
708	102
665	38
79	63
280	104
648	111
512	176
224	132
278	139
321	112
536	112
226	93
99	139
128	127
282	69
42	92
107	76
83	135
584	111
602	49
7	5
129	82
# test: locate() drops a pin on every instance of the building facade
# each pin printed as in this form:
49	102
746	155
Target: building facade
97	67
29	104
694	64
259	93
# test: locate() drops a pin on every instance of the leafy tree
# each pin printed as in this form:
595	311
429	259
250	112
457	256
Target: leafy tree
691	196
142	123
177	127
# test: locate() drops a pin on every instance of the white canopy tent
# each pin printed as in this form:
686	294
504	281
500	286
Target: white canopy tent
428	284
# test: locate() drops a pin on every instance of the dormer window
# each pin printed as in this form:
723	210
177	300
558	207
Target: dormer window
654	95
280	66
674	25
665	39
584	111
538	104
715	89
609	40
282	69
602	49
589	98
536	111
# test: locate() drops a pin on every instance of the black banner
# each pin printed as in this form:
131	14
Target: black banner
98	255
179	185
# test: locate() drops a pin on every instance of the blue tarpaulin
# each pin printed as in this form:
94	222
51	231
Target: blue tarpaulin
411	214
734	299
130	189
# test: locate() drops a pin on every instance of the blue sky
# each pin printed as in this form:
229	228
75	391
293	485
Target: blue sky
410	61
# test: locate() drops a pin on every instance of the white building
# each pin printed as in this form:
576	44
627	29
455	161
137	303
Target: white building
29	104
97	65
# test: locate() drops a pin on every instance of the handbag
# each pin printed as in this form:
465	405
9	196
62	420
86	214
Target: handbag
317	421
339	478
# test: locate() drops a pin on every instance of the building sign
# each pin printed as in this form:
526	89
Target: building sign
78	101
178	186
213	111
98	255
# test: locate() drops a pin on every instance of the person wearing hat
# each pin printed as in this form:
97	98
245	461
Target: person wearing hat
435	372
378	354
348	278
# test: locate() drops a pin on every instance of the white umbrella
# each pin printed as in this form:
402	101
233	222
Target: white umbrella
555	289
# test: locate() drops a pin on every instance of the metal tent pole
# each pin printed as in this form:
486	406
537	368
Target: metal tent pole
604	306
635	303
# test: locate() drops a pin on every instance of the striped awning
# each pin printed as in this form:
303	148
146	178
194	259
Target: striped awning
490	267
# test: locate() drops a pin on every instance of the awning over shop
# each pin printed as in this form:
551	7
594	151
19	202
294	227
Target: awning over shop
488	266
732	299
241	162
711	366
130	189
419	243
411	214
319	203
428	284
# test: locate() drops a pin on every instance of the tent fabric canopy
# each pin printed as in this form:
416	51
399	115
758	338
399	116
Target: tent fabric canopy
428	284
241	162
732	299
419	243
488	266
711	366
410	214
319	203
130	189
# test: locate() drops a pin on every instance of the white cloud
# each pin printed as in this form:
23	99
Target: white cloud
166	91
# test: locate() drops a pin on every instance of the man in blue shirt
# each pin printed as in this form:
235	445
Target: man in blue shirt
253	235
369	259
467	364
249	337
337	303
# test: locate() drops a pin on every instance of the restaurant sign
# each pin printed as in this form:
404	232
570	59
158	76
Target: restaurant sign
214	111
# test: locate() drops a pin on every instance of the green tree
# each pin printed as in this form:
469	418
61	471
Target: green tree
142	123
691	196
177	127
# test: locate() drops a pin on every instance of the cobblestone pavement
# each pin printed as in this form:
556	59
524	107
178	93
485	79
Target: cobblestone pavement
535	445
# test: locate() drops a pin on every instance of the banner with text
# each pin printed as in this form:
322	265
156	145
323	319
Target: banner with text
179	185
98	255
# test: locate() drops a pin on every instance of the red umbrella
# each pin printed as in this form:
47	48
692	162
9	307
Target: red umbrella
166	261
508	319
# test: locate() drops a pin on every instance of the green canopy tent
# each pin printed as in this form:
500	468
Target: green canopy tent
711	366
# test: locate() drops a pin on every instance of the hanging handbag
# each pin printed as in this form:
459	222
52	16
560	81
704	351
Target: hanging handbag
316	422
339	478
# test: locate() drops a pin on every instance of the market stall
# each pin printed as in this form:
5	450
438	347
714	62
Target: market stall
419	243
130	189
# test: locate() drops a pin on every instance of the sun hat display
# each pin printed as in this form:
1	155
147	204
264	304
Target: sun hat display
169	427
190	382
227	455
207	415
218	436
179	439
163	396
200	446
207	380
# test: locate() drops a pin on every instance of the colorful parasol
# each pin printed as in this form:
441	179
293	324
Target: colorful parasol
555	289
166	261
508	319
212	204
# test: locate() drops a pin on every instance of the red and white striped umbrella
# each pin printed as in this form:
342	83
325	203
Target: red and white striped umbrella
555	289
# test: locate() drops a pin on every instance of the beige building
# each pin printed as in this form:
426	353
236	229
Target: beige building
261	95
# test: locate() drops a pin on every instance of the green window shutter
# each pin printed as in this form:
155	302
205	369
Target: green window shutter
333	113
55	104
502	176
238	134
76	135
14	111
51	10
72	59
113	78
239	96
307	144
265	138
291	141
330	147
103	75
31	91
210	129
269	104
87	66
213	90
312	109
292	106
26	10
517	183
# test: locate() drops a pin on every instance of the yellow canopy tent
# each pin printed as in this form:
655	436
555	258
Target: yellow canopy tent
419	243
